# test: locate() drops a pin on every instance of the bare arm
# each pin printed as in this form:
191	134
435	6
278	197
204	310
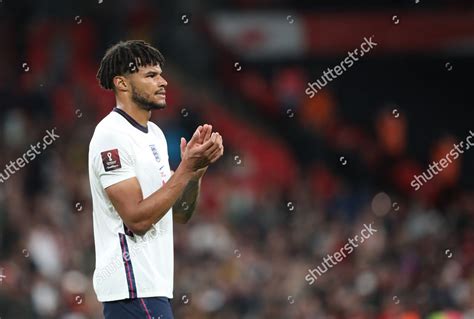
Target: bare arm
184	207
140	214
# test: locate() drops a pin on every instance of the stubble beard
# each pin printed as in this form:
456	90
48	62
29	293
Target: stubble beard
145	102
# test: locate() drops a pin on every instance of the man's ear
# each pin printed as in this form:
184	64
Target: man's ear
121	83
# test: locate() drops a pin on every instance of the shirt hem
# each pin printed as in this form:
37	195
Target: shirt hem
116	179
127	296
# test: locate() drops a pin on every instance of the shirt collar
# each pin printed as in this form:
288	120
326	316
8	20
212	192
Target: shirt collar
131	120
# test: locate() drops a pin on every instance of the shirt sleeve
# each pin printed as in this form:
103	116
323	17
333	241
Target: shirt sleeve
113	158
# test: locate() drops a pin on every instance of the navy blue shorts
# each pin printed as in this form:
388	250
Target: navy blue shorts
146	308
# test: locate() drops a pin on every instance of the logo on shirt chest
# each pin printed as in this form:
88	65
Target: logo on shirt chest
162	169
155	153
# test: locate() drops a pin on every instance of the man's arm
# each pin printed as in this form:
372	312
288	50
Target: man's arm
140	214
184	207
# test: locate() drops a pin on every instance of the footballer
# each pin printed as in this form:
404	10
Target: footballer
136	197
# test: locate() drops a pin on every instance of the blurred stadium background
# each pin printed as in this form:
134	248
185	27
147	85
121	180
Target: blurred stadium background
299	175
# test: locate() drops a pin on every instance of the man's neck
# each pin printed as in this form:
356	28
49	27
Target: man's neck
140	115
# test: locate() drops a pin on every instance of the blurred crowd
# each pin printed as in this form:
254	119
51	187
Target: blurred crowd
279	201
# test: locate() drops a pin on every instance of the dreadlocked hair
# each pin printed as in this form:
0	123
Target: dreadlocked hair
126	57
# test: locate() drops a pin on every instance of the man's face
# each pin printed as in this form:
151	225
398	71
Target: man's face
148	88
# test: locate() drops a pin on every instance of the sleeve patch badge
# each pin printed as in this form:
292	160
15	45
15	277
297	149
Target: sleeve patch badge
111	160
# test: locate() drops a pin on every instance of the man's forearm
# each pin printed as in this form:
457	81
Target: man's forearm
157	204
184	207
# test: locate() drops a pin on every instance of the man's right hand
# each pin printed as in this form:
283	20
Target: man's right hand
196	156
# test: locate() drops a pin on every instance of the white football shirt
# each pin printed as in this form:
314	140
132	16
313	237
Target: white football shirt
128	265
